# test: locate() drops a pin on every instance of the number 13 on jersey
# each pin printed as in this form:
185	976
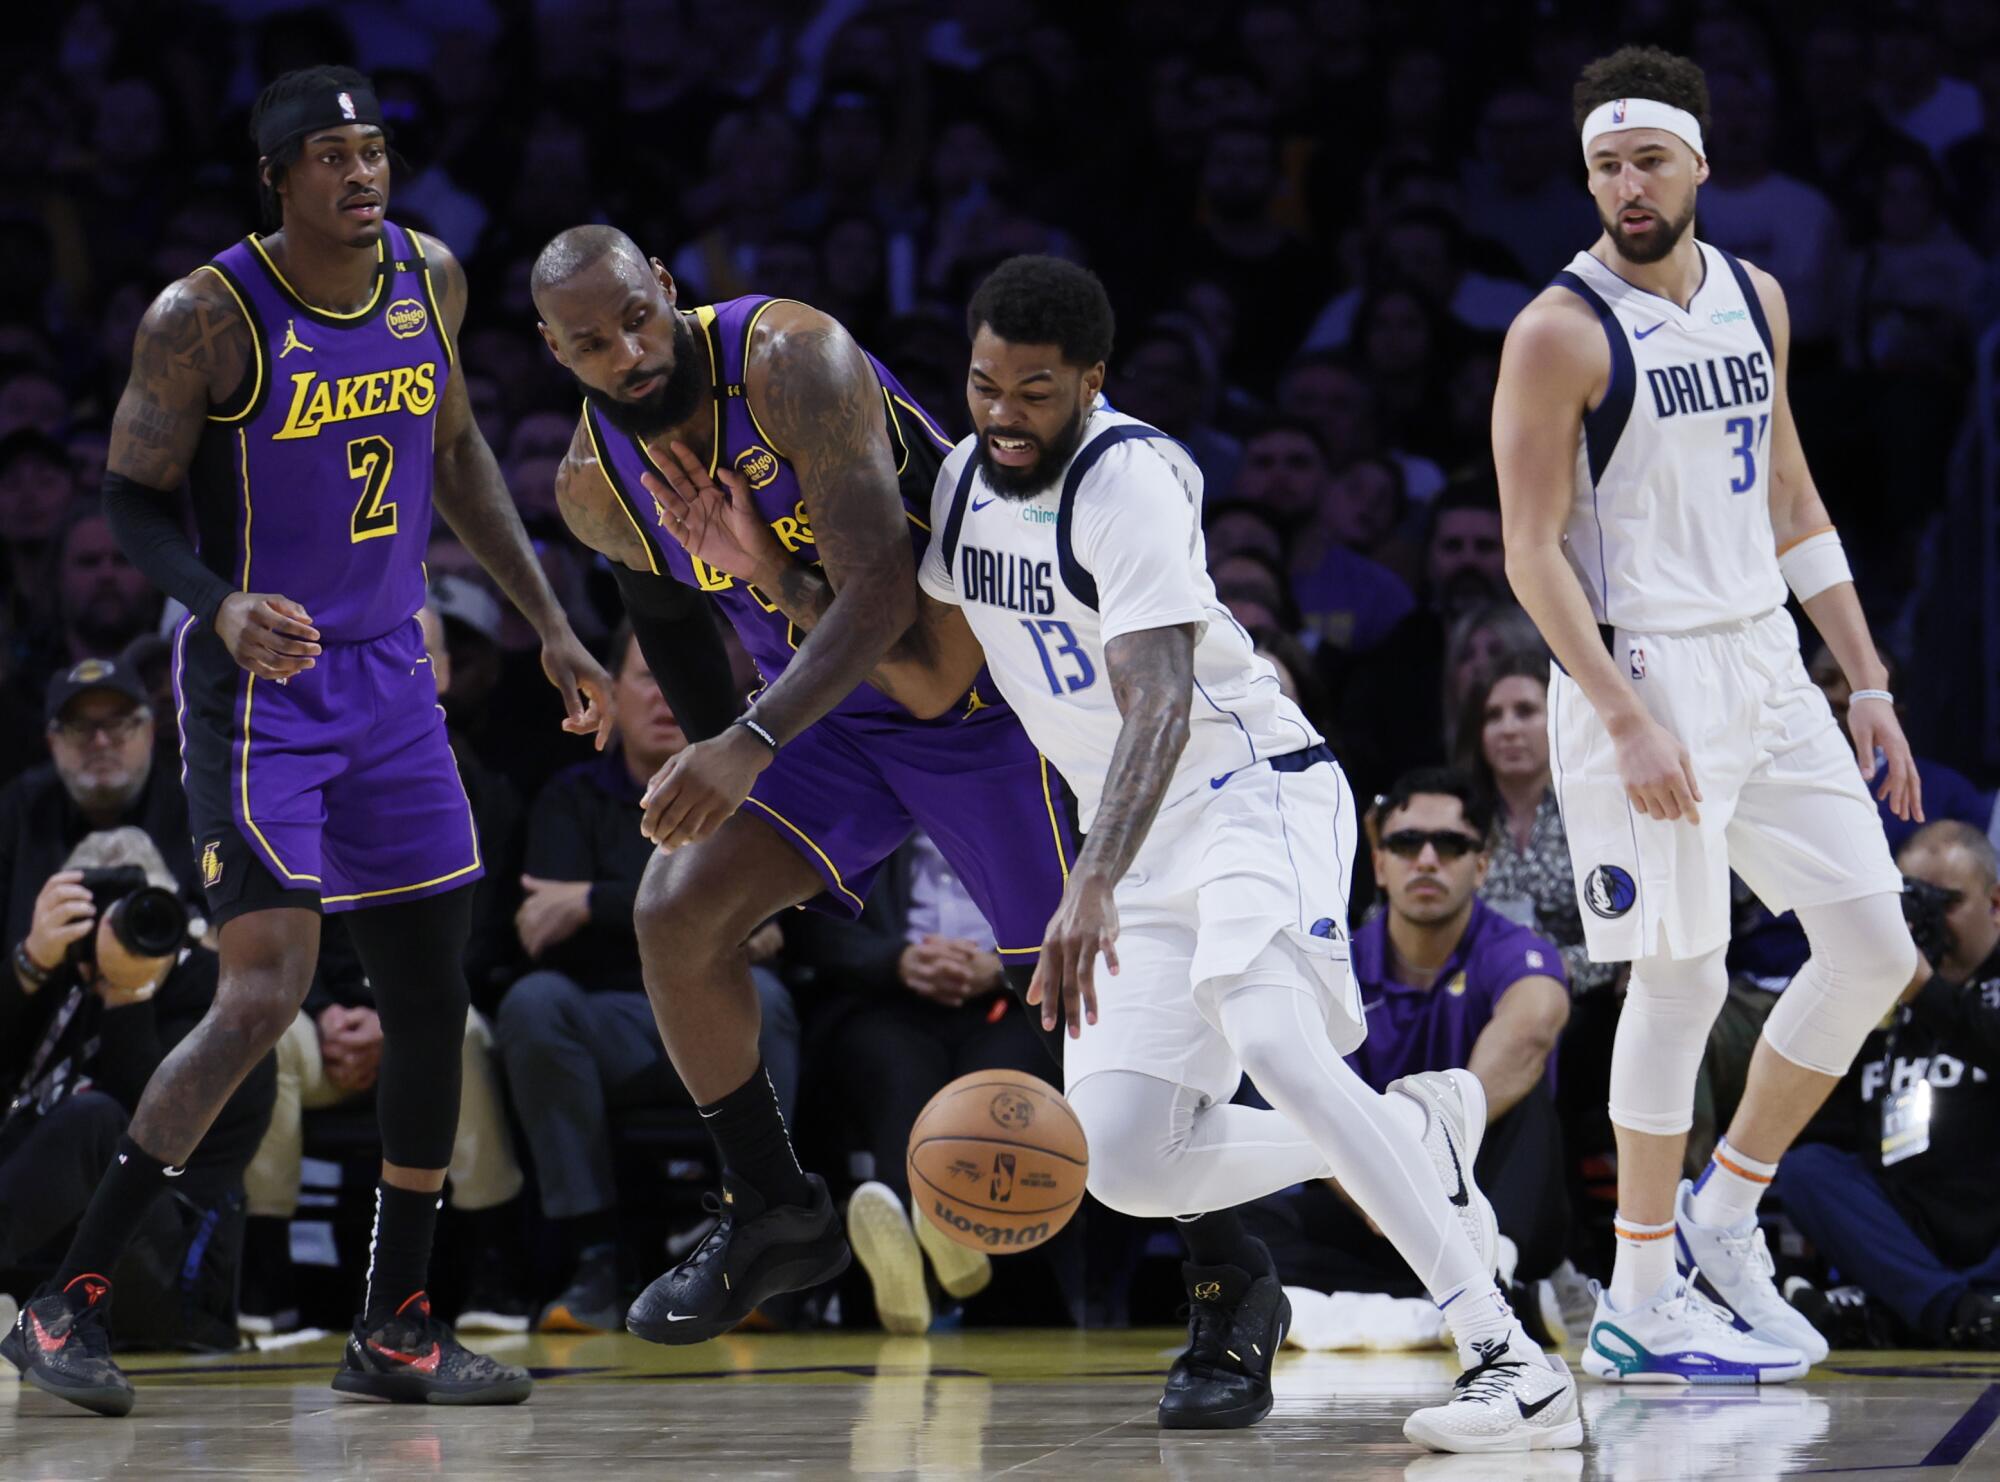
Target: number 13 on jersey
1064	662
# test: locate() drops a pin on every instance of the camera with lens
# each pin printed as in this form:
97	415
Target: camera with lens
136	921
1924	909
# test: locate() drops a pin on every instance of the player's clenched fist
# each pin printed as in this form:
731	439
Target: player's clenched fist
271	636
690	797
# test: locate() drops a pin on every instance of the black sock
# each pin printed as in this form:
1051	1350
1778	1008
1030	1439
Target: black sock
1219	1239
750	1133
124	1197
399	1253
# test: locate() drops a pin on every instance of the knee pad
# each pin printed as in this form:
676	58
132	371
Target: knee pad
1129	1120
1670	1006
1862	958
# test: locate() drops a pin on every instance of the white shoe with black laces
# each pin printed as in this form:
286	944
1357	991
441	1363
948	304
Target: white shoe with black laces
1516	1398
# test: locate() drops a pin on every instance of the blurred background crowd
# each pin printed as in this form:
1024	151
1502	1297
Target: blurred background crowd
1316	219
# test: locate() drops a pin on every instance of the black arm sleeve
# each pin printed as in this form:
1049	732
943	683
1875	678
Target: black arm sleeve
148	530
677	635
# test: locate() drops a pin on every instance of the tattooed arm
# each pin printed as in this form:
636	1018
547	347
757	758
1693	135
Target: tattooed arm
1152	679
927	671
671	620
193	350
470	493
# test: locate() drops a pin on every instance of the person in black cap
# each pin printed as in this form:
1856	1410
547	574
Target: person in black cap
305	385
62	1027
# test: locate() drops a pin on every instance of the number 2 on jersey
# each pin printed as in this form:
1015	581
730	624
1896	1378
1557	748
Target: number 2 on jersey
371	460
1041	629
1749	438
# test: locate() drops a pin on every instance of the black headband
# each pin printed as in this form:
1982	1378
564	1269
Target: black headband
328	108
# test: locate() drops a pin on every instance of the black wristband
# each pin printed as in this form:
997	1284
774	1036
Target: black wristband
758	731
31	971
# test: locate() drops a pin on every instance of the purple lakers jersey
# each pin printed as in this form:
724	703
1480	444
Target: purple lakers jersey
314	481
917	443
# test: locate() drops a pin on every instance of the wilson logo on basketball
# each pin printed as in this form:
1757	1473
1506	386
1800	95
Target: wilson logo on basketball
1002	1187
758	465
406	318
986	1234
1012	1110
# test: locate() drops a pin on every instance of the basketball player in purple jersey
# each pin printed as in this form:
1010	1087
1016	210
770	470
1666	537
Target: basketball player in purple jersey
303	385
802	796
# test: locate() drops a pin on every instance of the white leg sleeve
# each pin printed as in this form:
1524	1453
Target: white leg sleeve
1277	1027
1862	958
1669	1009
1156	1151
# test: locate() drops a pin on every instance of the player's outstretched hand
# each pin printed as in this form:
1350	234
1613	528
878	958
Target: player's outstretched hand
696	791
715	519
1085	924
1658	773
584	686
1875	727
271	636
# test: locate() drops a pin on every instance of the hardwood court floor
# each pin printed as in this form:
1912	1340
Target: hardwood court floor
1019	1405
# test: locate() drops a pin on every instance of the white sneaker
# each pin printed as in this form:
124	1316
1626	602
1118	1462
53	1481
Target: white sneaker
1679	1337
962	1271
1455	1104
886	1246
1736	1264
1519	1399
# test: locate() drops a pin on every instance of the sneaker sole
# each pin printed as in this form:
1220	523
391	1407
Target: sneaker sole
887	1248
491	1322
1565	1437
1606	1371
99	1399
793	1276
963	1273
562	1319
414	1389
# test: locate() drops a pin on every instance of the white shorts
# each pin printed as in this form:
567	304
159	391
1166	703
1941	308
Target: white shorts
1223	874
1783	803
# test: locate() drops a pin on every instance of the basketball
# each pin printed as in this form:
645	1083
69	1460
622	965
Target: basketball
997	1161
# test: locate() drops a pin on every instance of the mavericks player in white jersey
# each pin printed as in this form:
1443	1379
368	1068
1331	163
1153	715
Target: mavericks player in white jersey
1066	557
1657	505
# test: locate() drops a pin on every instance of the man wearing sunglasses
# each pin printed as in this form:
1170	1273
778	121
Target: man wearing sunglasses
1448	982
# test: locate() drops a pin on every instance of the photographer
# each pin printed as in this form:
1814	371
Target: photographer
88	1010
1903	1206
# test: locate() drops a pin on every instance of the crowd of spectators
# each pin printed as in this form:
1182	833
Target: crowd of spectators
1316	219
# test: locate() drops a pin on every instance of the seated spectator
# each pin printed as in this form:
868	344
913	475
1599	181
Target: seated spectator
577	1034
918	1000
1325	388
1354	600
1170	379
1426	247
100	802
1503	744
1904	1208
330	1055
1255	592
1446	982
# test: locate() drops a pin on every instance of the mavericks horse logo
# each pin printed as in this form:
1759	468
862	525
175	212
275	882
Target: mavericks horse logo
1609	891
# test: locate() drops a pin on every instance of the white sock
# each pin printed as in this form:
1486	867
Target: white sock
1728	1190
1477	1313
1644	1261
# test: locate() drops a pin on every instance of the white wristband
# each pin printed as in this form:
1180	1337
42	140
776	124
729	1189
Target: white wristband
1883	695
1814	564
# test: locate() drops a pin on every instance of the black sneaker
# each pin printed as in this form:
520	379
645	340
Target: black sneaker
61	1343
752	1255
1975	1321
416	1359
1236	1323
1846	1316
593	1302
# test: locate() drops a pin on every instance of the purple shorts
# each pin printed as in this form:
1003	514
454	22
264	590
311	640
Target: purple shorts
338	785
848	791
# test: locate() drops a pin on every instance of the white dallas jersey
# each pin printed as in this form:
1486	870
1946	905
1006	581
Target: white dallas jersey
1113	547
1671	525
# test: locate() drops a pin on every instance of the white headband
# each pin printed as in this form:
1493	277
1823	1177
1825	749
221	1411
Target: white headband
1642	113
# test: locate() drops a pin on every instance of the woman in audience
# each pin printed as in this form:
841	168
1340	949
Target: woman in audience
1503	740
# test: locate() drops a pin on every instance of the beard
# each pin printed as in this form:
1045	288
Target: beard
1662	240
668	404
1038	477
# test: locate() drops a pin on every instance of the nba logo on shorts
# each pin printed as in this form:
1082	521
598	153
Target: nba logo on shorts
347	106
1617	110
1609	891
1637	661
